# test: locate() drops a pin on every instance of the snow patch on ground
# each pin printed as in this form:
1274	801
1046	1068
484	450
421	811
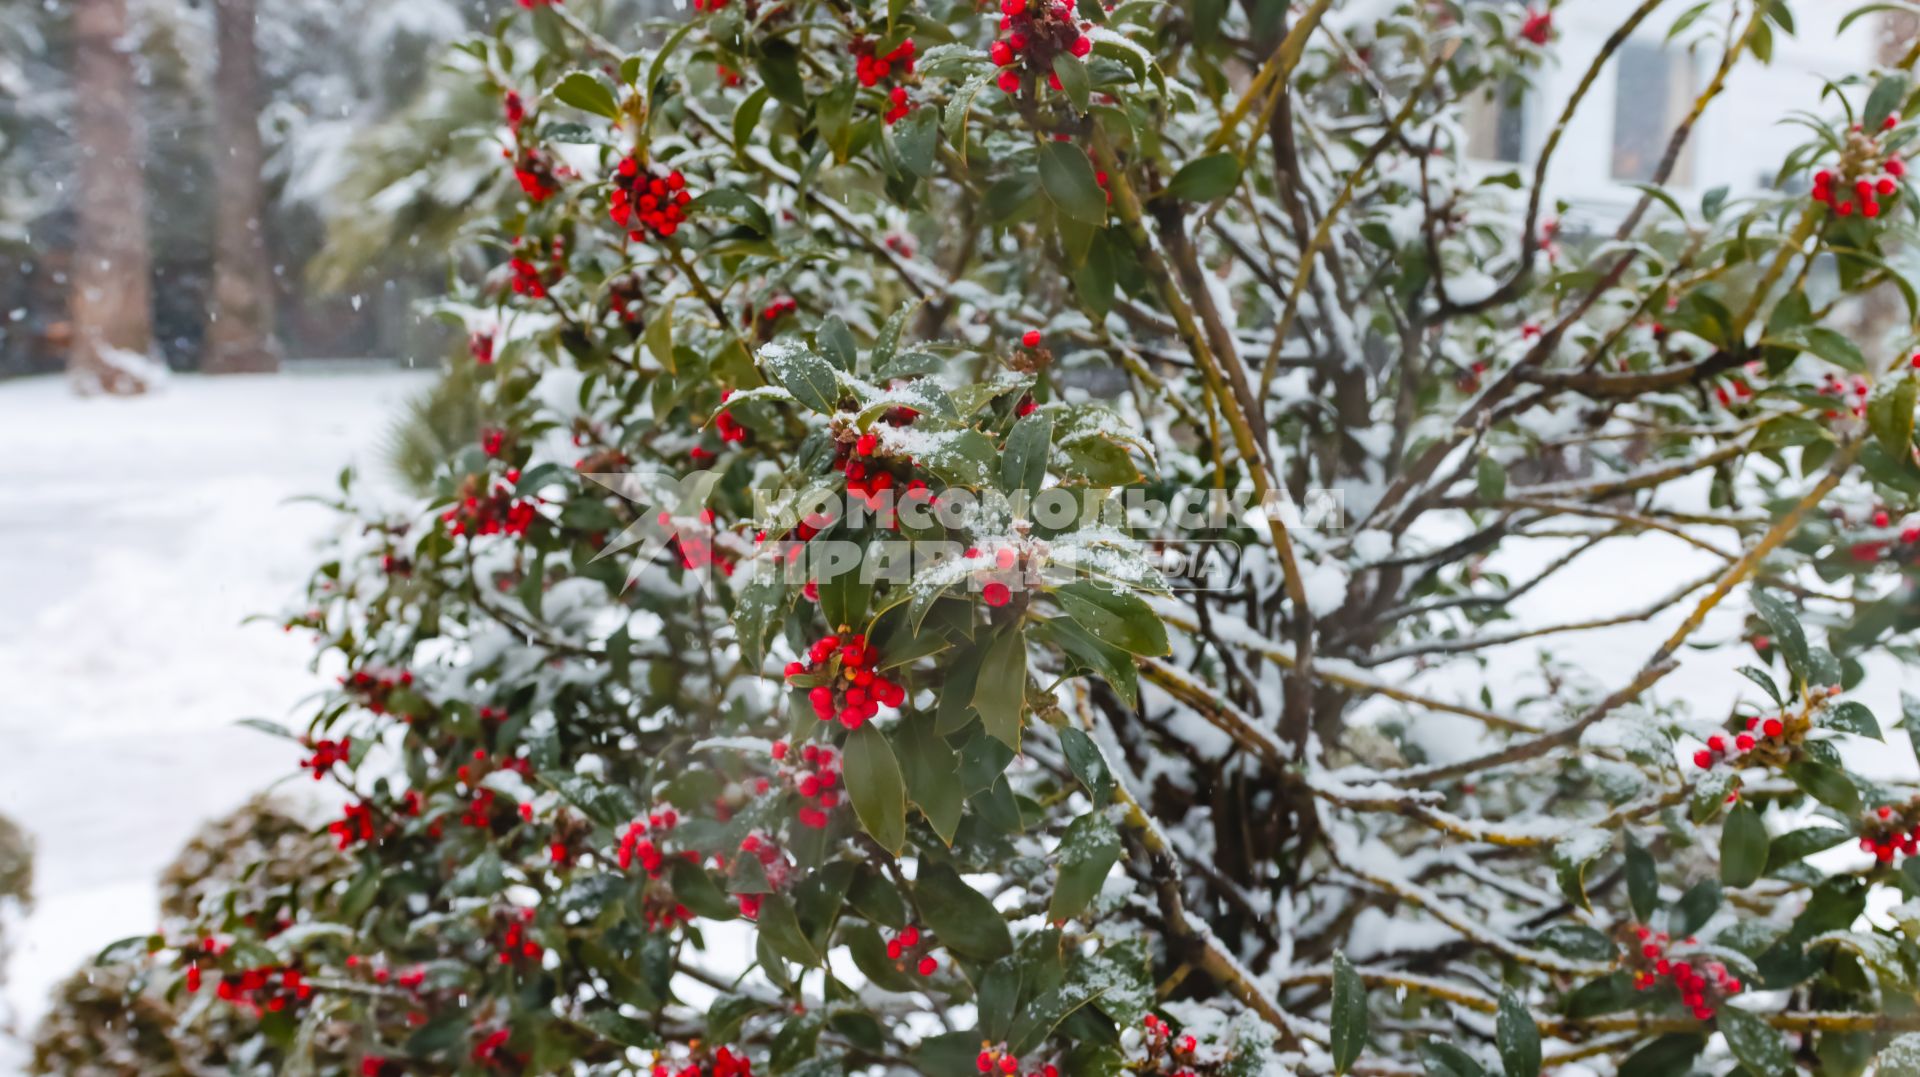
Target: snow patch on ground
141	533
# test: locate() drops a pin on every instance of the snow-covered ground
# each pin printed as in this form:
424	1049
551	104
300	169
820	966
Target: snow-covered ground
139	535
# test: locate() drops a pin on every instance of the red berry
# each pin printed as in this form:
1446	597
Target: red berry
1031	338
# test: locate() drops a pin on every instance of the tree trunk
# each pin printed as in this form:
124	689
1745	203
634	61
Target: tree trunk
240	322
112	307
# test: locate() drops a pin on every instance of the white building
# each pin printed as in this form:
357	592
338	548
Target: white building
1620	132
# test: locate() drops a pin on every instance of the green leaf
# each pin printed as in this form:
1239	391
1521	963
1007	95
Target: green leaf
1743	846
1442	1059
760	607
588	94
737	206
836	340
1088	851
1024	467
1758	1046
1827	784
1205	179
1572	856
874	785
1884	101
1000	694
1349	1014
960	916
1578	940
1694	908
960	107
1797	844
1671	1054
1490	479
1087	764
1073	79
1110	664
801	371
1851	716
747	117
618	1028
779	68
728	1012
1765	681
932	772
693	887
1890	416
1828	344
1786	431
1785	629
1115	618
1517	1037
1067	176
779	928
917	138
1643	880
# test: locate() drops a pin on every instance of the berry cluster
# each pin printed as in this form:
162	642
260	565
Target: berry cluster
1537	27
842	682
410	980
529	279
643	201
1761	733
995	1058
325	754
480	346
492	1048
817	780
695	544
1891	829
784	305
773	864
497	513
638	844
478	813
1849	393
516	942
902	947
262	990
871	69
1037	31
375	689
995	592
354	825
726	425
1167	1051
539	180
875	474
725	1063
1864	178
1699	991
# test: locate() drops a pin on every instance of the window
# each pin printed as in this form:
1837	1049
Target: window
1496	123
1652	93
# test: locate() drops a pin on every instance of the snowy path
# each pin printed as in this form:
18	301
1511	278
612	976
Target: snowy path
139	535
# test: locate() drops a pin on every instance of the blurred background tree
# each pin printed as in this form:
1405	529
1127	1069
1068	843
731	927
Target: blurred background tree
325	78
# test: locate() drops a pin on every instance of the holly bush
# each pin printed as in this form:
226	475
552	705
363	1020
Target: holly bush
1224	414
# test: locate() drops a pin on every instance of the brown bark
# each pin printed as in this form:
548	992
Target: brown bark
240	319
111	299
